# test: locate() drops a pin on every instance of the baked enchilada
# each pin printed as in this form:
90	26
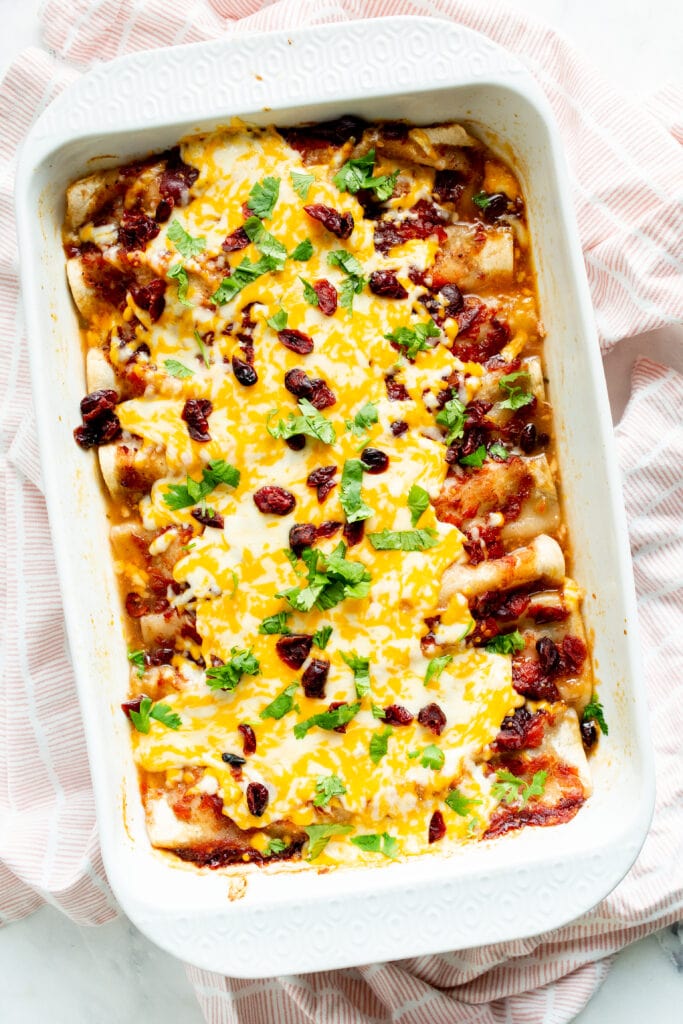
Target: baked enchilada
316	391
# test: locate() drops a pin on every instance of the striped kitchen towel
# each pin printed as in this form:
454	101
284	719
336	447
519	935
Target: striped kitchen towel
626	170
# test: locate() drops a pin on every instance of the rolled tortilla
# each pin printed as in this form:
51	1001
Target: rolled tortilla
475	263
541	559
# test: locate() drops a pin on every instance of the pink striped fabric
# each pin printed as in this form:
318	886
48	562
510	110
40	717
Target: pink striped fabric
626	167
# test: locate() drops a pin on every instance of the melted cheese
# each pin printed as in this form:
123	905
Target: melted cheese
233	574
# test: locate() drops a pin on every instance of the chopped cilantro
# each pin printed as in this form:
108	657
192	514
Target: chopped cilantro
310	294
303	251
357	174
499	451
361	672
432	757
137	659
379	744
354	281
378	712
331	579
418	502
274	846
404	540
275	624
374	843
476	458
350	495
179	274
321	637
452	417
202	348
278	321
266	243
363	420
226	677
186	245
327	720
460	803
517	397
509	788
506	643
326	787
242	275
436	667
193	491
320	835
159	712
282	705
414	339
311	422
594	710
263	197
177	369
301	183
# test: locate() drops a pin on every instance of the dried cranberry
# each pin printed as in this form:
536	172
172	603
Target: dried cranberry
354	532
589	734
386	284
448	186
177	179
323	396
196	412
322	479
315	676
296	341
506	607
248	738
548	655
257	798
423	220
301	536
97	403
136	606
543	614
103	430
234	760
239	239
328	528
431	716
521	730
245	374
527	438
437	827
374	460
298	383
294	649
208	518
296	442
327	296
396	714
136	230
274	500
396	391
151	298
573	653
132	705
399	427
339	224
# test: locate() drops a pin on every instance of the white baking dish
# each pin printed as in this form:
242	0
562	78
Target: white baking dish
296	919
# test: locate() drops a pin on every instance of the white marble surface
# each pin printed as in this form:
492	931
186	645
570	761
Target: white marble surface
56	972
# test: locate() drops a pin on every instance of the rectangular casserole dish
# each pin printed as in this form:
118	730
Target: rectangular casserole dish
250	923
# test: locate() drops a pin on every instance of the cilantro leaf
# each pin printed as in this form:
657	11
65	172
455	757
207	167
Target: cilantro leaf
326	787
274	846
310	294
477	458
499	451
354	281
460	803
379	744
331	579
357	174
378	712
452	417
321	637
186	245
361	672
193	491
275	624
159	712
517	397
432	757
509	788
282	705
177	369
414	339
350	492
311	422
363	420
351	286
301	183
266	243
436	667
506	643
179	274
481	199
594	710
303	251
404	540
374	843
328	720
226	677
320	835
137	659
202	348
242	275
263	197
418	502
278	322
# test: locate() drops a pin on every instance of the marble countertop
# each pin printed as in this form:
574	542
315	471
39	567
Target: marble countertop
55	971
